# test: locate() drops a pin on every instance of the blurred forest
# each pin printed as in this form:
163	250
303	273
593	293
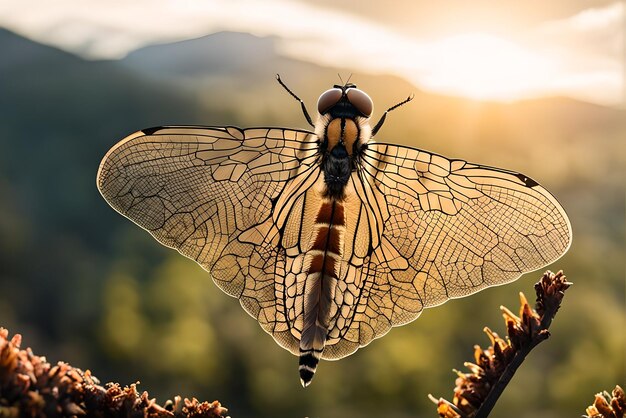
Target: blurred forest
86	286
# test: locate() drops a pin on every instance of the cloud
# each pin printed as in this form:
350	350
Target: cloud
580	56
112	28
589	52
597	30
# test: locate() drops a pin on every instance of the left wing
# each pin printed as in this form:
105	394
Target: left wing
218	195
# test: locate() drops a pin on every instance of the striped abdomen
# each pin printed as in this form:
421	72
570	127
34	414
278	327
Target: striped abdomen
323	261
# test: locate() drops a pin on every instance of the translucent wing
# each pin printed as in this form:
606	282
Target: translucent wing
446	229
213	194
419	229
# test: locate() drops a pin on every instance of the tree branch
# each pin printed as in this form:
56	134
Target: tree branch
477	392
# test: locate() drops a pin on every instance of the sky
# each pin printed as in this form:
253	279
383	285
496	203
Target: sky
506	50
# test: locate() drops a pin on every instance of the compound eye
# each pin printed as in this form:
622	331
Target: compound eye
361	101
328	99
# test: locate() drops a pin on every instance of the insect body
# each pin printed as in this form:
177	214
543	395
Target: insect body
327	238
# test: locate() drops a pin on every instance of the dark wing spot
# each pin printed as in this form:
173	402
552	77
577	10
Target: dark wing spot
151	131
527	180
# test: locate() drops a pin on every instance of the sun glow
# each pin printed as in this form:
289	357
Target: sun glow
482	66
579	55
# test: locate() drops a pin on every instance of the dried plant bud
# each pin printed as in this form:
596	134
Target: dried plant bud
194	408
446	409
30	386
608	405
550	291
477	391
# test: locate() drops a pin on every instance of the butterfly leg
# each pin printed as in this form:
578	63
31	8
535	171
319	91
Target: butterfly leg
306	112
384	116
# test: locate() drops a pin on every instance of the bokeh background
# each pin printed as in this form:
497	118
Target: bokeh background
534	87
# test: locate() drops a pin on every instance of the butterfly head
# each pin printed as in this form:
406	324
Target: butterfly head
345	101
343	129
343	124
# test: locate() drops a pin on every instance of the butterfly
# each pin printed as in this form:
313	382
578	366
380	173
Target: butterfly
327	237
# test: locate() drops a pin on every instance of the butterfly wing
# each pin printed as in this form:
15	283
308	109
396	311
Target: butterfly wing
421	229
447	229
213	193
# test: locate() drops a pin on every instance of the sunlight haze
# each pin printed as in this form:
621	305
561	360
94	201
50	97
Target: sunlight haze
554	57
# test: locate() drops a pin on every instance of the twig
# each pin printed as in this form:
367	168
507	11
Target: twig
477	392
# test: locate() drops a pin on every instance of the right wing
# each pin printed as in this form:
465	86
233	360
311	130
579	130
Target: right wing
441	229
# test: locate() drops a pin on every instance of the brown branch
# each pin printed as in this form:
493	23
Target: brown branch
477	392
30	386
